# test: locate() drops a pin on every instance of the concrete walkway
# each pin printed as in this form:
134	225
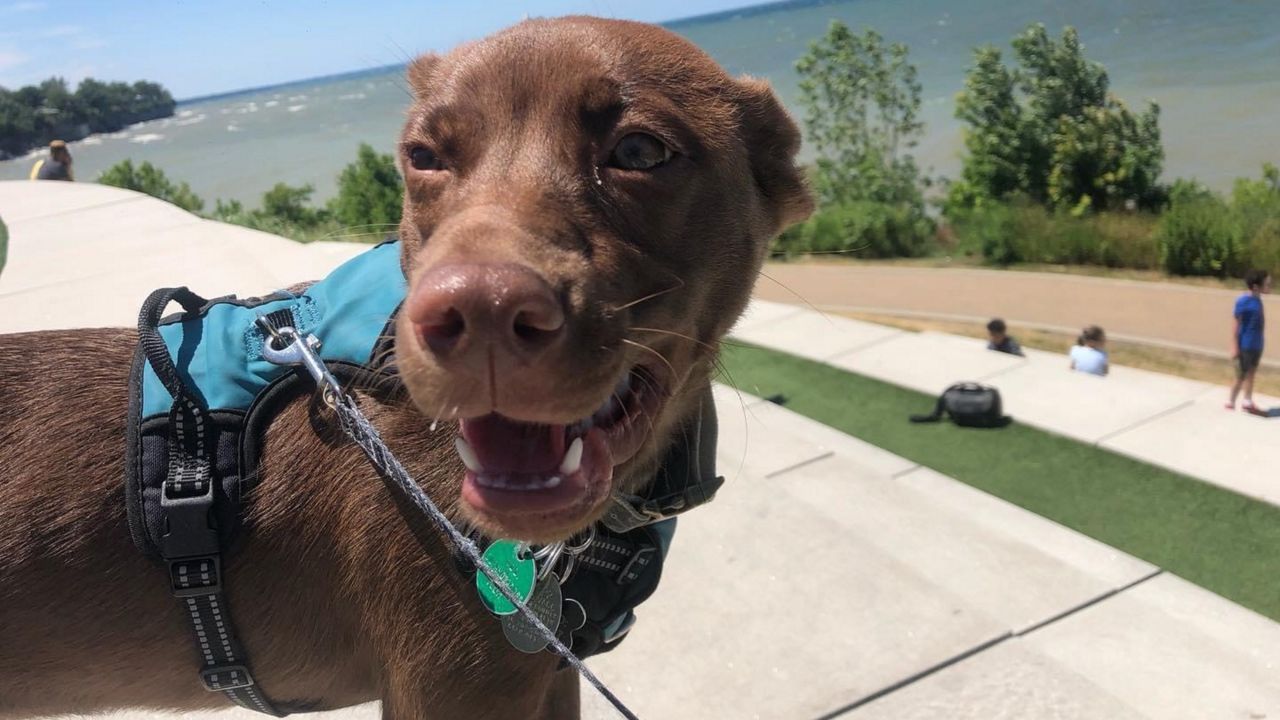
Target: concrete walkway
1167	421
87	255
1166	314
830	579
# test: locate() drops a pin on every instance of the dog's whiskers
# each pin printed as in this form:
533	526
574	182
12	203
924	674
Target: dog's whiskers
650	296
797	295
673	333
661	357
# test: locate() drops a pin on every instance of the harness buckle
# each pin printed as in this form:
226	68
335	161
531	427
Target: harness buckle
195	576
221	678
189	529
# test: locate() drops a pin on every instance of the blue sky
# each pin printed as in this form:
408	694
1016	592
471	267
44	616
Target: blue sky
198	48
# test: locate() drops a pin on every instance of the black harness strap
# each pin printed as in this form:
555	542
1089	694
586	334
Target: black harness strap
190	546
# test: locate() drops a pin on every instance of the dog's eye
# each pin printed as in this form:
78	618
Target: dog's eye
422	158
639	151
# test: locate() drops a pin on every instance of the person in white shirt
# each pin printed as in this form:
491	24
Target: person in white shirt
1089	354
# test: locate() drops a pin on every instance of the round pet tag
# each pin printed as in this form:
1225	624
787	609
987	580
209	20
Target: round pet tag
546	604
503	557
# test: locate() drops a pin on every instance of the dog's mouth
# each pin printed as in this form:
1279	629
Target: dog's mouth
555	472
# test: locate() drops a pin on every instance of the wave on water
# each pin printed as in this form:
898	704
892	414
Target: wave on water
296	98
271	103
145	138
296	108
91	140
186	113
353	96
233	128
187	120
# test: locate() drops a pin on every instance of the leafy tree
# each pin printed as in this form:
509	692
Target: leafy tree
996	165
17	124
33	115
862	104
1051	131
147	178
369	192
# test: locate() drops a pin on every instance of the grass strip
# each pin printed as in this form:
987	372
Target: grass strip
1215	538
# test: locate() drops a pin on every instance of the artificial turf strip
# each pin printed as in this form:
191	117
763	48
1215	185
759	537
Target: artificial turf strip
1215	538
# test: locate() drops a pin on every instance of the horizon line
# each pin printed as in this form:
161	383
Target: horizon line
745	10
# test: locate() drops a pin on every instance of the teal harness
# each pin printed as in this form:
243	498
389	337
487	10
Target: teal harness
202	396
218	353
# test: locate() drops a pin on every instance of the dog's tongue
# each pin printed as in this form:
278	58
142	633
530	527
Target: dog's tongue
510	447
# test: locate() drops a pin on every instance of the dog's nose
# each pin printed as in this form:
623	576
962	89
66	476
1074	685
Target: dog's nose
506	307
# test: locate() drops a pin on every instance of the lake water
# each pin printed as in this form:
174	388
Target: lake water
1214	68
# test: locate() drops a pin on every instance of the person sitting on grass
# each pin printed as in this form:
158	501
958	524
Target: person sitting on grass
1000	340
1089	354
1246	339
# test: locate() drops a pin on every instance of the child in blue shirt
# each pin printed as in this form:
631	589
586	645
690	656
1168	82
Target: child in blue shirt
1246	340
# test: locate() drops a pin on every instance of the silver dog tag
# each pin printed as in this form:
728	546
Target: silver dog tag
545	602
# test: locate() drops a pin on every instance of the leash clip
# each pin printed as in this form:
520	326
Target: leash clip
285	346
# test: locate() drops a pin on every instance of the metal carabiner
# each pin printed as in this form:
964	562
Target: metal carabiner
298	350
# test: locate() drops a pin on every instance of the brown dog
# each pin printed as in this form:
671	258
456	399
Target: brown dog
587	205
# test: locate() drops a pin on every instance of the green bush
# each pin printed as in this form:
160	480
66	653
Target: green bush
1023	232
285	211
1263	247
291	205
147	178
370	193
368	203
861	229
1199	237
994	231
1203	234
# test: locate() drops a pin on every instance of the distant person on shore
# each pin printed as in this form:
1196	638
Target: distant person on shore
55	167
1246	339
1090	355
998	338
4	244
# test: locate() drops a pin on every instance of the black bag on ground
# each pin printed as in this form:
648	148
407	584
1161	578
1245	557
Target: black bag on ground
969	405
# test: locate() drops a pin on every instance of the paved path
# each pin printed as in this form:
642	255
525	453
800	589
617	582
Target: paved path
87	255
1168	314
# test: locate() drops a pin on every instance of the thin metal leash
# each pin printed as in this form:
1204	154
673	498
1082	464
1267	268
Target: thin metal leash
299	350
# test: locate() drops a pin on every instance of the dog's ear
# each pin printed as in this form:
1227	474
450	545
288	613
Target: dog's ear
420	73
772	140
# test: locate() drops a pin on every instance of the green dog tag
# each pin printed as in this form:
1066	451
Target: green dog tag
503	557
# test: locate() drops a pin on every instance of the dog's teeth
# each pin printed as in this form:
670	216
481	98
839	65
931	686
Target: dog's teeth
506	482
468	455
572	458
